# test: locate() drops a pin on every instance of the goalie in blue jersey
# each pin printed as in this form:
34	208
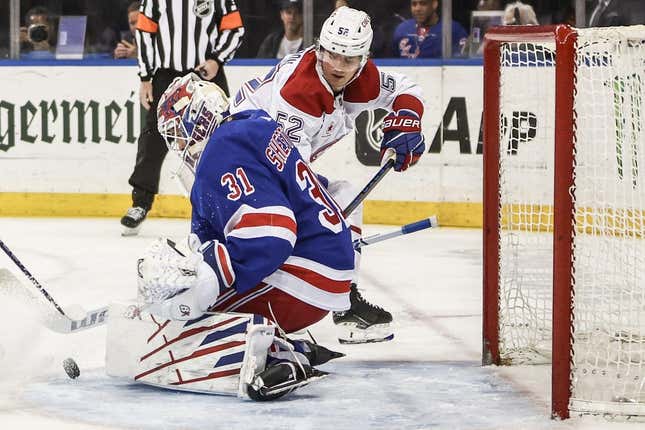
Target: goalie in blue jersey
267	238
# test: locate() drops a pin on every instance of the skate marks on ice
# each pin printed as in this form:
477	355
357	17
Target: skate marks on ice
374	394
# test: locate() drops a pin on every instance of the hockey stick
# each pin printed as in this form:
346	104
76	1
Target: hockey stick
406	229
368	188
29	276
93	318
60	322
96	317
99	316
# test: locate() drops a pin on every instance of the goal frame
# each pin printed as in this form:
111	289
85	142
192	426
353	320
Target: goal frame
565	39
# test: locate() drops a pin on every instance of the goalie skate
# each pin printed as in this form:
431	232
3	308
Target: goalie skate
315	353
280	379
363	322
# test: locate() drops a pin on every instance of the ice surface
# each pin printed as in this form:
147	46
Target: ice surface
429	377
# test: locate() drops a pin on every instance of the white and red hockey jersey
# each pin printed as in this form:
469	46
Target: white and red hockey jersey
297	96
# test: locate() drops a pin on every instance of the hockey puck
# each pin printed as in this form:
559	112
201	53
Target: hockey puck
71	368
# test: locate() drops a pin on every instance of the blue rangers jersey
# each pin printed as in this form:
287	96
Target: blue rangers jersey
275	222
411	40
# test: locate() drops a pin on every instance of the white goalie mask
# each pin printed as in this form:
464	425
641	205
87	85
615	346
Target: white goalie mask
347	32
188	113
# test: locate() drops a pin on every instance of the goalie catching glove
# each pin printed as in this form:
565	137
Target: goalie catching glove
402	135
182	286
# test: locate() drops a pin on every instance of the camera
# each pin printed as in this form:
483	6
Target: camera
37	33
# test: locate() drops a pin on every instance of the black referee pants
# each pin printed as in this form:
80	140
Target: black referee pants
151	148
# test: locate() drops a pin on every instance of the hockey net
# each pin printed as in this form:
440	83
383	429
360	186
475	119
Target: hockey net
564	211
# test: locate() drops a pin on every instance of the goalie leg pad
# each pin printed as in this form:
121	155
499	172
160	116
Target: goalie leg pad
212	354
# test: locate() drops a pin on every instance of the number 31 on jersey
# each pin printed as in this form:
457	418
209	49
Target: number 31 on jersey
238	184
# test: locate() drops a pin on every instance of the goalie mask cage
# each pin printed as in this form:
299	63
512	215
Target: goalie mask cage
564	211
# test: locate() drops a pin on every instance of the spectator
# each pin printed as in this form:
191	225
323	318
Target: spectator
518	13
174	41
387	20
128	48
36	36
479	25
420	37
287	41
4	32
612	13
566	15
380	46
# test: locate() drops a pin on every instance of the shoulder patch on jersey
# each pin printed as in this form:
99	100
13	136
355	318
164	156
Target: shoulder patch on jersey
304	91
366	87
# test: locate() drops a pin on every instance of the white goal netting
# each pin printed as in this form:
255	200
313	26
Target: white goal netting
608	253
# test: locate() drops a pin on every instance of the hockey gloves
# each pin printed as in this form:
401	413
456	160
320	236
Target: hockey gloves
402	135
176	285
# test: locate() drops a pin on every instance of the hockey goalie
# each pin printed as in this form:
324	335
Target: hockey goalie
269	254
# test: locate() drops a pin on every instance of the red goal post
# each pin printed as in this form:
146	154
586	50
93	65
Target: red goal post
564	205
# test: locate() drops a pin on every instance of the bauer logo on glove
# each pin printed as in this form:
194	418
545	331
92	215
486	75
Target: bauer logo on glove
402	135
403	123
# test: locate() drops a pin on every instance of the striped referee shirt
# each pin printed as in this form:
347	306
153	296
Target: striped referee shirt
181	34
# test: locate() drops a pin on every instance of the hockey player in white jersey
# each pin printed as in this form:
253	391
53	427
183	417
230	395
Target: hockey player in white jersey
316	95
267	241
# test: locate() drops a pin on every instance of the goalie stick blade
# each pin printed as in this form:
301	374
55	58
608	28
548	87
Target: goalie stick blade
61	324
52	319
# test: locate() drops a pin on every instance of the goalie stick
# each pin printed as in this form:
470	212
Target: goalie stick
60	321
29	276
63	323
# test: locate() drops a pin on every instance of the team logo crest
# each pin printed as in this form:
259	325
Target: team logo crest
203	8
369	134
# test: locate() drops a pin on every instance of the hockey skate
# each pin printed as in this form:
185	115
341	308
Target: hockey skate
363	322
132	220
280	379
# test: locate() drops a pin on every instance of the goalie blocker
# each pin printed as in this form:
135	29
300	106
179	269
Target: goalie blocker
231	354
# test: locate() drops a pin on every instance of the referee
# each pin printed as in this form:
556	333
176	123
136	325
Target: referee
175	37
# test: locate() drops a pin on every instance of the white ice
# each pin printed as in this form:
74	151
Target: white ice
428	377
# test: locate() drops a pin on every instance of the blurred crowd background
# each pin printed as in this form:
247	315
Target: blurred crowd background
402	28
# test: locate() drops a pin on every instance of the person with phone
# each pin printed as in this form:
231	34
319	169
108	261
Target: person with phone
127	47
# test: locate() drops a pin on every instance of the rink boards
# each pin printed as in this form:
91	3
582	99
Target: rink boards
68	144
